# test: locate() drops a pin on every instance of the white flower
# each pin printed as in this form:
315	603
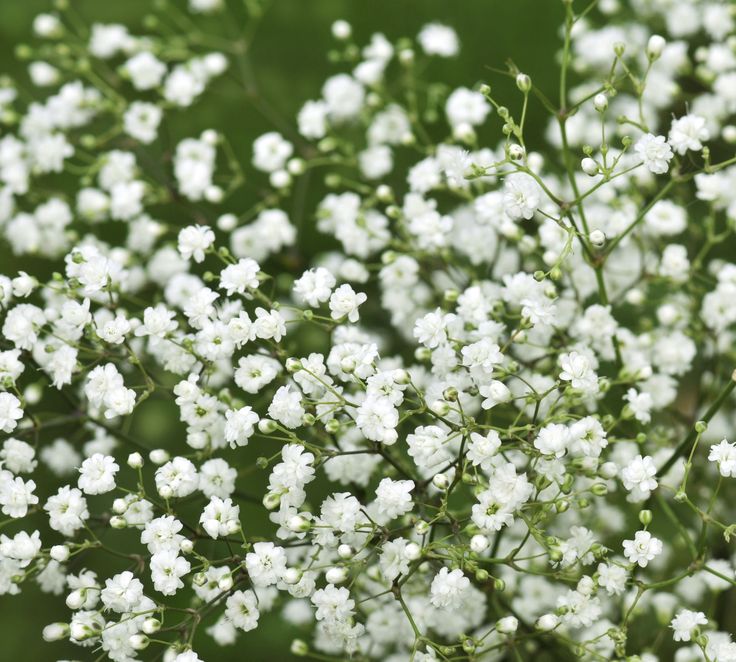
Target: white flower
522	196
240	277
553	439
612	578
67	510
724	455
220	517
16	495
643	548
167	568
122	593
640	404
655	153
494	393
448	588
344	302
465	106
177	478
431	329
265	564
577	370
97	474
312	119
393	497
194	240
145	70
315	286
240	425
439	39
271	151
688	133
157	321
685	622
10	412
333	604
377	419
141	121
483	448
343	96
639	477
241	609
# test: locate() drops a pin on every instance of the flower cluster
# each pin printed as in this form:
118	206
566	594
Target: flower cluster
491	418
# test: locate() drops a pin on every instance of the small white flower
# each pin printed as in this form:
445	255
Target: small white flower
643	548
655	153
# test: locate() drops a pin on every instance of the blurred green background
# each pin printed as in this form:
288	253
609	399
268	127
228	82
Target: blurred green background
290	63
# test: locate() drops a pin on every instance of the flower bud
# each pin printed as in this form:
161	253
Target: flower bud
469	646
345	552
384	193
293	365
463	132
215	194
117	522
440	407
336	575
59	553
135	460
547	622
76	599
55	632
523	82
645	517
279	179
119	506
266	426
401	377
299	524
599	489
292	576
597	238
158	456
412	551
479	543
482	575
296	166
272	500
589	166
635	296
227	222
151	625
225	583
299	648
516	152
341	30
655	46
187	546
600	102
348	365
440	481
507	625
608	470
139	642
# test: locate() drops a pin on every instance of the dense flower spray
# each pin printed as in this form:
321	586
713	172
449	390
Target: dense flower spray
494	422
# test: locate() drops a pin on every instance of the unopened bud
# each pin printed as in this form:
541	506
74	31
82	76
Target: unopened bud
589	166
336	575
655	46
523	82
